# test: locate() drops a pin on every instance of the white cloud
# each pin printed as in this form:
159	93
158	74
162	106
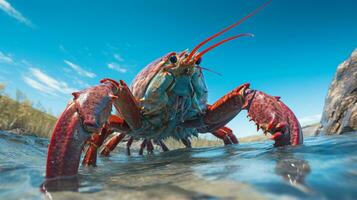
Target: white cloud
38	86
41	81
11	11
117	67
118	57
5	58
79	70
308	120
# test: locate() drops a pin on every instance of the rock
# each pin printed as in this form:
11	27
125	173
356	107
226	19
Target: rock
340	110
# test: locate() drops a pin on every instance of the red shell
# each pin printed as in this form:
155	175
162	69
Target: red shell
142	80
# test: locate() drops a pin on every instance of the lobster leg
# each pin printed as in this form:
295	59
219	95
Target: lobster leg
111	144
128	145
186	142
119	125
142	147
96	141
149	147
126	105
226	134
162	145
114	123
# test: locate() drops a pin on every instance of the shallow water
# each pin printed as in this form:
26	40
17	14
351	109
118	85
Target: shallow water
323	168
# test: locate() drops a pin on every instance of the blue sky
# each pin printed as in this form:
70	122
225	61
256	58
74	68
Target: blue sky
50	48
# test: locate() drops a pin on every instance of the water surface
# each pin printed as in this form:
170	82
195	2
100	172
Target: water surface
323	168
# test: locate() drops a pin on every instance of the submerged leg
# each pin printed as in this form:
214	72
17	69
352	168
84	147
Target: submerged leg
142	147
226	134
186	142
90	159
119	125
128	145
149	147
163	145
111	144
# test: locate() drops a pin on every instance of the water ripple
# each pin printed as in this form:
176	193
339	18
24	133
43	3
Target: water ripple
322	168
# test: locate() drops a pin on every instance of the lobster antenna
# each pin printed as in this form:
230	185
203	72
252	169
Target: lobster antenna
221	42
199	67
226	29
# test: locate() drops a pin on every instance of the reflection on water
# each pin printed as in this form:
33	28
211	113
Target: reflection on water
323	168
293	170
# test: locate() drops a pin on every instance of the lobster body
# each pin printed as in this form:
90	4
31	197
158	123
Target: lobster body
168	98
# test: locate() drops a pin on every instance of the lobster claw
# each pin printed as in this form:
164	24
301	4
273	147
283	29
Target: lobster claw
274	117
86	114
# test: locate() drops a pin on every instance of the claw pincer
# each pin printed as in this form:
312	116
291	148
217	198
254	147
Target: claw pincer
274	117
86	114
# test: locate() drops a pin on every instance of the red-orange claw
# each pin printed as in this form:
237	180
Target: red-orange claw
241	88
127	106
122	83
87	114
111	81
270	125
66	144
276	136
75	94
226	107
118	124
271	114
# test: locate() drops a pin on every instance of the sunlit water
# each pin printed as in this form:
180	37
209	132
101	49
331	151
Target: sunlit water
323	168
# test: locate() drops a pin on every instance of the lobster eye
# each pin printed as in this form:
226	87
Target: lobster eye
173	59
198	61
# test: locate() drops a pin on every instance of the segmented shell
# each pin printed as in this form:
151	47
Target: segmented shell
142	80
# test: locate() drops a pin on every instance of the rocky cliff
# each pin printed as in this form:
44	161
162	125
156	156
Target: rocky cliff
340	110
